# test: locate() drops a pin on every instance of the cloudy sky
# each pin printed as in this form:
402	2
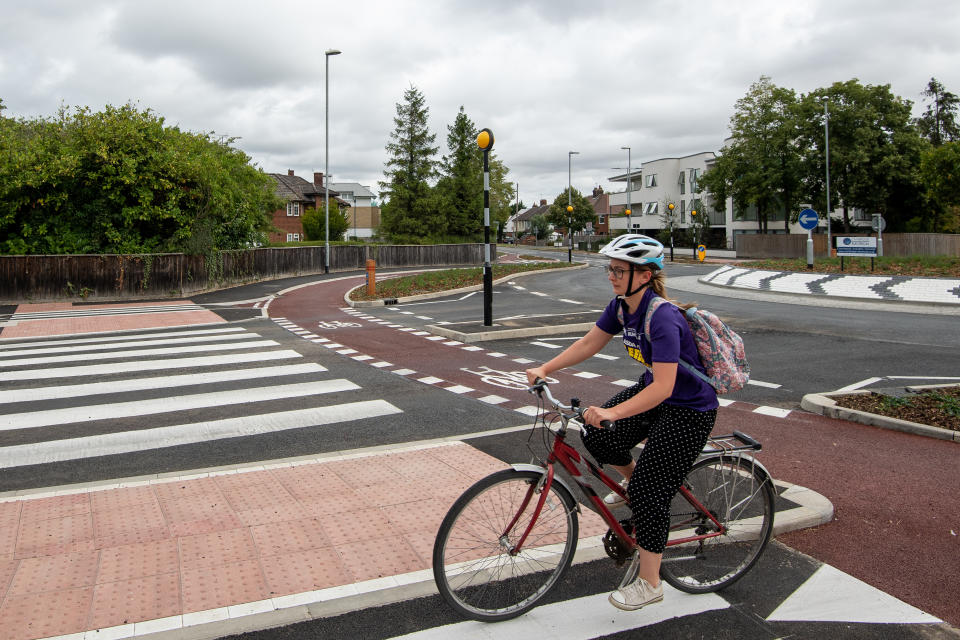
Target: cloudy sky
546	76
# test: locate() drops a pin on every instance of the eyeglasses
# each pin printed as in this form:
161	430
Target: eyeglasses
617	271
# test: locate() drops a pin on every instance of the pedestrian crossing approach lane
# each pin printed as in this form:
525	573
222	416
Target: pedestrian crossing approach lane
73	408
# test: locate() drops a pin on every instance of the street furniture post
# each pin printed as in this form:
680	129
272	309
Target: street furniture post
485	142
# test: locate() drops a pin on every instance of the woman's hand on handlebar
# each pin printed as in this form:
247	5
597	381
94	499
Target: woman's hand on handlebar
534	374
598	415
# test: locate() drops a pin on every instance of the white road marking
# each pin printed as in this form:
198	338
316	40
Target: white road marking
164	334
858	385
127	344
34	419
768	385
545	344
578	619
147	365
130	441
163	382
776	412
136	353
817	601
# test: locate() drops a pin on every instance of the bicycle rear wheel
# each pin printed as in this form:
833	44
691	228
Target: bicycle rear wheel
473	566
740	495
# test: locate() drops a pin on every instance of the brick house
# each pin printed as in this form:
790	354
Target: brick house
601	207
300	196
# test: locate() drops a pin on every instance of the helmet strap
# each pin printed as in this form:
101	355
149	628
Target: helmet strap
630	290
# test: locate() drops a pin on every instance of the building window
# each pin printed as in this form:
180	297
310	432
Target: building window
636	226
694	176
601	219
651	180
682	183
651	208
293	208
683	211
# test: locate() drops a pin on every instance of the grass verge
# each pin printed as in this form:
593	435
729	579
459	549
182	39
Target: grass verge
435	281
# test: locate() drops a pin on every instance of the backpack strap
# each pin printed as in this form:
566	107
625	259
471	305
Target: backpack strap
689	313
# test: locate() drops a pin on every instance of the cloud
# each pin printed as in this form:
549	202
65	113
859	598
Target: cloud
547	77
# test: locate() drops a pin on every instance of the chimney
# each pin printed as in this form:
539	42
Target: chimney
543	202
318	178
289	172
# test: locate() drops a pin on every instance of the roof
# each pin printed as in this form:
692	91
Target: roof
296	188
358	190
527	214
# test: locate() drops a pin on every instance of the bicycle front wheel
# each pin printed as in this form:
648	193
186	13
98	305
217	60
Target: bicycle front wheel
475	566
740	496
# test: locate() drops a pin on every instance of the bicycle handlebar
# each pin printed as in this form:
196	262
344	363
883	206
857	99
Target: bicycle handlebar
540	386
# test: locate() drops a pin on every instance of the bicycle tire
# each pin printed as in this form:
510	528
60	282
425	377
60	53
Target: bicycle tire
740	495
473	569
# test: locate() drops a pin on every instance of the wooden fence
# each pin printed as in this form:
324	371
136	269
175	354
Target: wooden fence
894	244
101	277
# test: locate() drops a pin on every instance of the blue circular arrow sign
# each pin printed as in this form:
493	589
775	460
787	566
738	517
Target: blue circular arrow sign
808	219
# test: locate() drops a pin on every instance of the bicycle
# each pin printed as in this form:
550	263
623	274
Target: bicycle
511	536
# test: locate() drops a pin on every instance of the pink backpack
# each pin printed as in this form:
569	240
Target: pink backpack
721	349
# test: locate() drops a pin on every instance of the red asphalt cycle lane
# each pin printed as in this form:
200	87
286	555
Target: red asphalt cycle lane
895	495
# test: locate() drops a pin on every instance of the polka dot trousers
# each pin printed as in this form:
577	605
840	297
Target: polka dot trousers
675	437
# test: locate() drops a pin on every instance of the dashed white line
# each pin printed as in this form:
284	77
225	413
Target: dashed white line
772	411
586	374
429	380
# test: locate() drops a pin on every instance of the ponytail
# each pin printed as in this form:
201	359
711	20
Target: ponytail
658	282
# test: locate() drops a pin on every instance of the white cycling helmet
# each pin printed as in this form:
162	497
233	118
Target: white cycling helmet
636	249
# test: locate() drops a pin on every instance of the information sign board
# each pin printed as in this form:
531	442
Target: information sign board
857	246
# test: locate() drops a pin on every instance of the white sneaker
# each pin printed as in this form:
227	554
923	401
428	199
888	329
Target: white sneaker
636	595
613	498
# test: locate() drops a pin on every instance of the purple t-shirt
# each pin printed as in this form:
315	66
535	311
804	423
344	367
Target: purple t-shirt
670	340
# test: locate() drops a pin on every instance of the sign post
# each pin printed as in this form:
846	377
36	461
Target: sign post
856	246
485	142
879	224
809	219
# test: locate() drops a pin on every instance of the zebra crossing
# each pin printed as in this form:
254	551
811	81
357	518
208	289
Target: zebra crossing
71	399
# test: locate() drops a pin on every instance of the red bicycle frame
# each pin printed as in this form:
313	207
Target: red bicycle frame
570	459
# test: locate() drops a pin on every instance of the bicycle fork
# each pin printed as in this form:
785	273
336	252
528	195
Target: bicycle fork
543	487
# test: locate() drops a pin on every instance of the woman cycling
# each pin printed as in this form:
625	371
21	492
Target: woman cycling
669	407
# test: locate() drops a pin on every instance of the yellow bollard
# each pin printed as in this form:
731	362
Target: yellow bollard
371	277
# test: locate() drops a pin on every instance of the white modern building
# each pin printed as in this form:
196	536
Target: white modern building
363	214
658	183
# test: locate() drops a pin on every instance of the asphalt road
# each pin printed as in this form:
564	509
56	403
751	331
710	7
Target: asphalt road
875	478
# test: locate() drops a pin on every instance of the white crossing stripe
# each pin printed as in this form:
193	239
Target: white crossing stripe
42	349
163	382
493	399
34	419
147	365
135	353
586	374
130	441
162	334
578	619
604	356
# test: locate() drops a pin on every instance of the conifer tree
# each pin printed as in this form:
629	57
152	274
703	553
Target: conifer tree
412	210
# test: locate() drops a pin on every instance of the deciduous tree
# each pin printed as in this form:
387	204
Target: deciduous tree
121	181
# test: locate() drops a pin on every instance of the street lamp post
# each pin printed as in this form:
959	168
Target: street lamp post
570	155
826	132
326	166
629	189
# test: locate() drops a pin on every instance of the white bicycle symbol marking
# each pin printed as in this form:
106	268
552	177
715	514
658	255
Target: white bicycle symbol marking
507	379
336	324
